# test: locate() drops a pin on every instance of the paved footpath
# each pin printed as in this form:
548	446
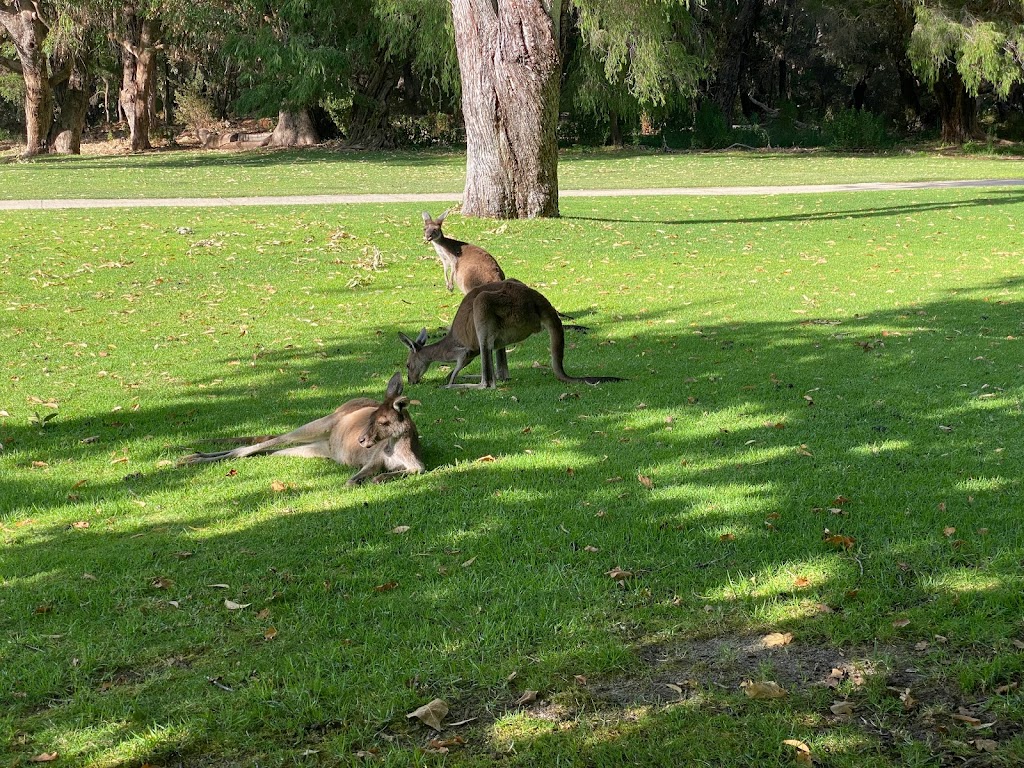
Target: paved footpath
214	202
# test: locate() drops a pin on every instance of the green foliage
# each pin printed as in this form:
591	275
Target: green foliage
193	108
710	128
981	41
857	129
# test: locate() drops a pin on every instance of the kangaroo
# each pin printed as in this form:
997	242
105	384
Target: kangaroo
360	433
464	265
492	317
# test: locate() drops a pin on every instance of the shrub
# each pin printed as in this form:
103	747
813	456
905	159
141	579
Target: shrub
710	129
855	129
194	110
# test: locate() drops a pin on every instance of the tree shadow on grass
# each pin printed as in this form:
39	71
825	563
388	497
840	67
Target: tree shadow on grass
714	493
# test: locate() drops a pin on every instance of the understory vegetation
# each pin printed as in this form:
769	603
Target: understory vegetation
811	479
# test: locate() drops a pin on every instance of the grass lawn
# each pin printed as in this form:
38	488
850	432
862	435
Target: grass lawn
318	172
820	437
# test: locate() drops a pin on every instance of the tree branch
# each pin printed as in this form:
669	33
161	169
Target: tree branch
11	64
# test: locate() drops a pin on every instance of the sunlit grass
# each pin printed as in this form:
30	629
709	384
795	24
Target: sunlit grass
847	363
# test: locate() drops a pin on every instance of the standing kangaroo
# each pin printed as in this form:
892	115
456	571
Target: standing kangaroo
491	317
361	433
464	265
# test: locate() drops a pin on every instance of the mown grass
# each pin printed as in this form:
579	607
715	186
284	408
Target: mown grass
318	172
843	362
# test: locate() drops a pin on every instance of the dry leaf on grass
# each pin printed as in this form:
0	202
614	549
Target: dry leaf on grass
620	575
277	486
401	529
45	757
801	752
842	708
387	587
270	634
528	697
231	605
986	745
777	639
768	689
430	714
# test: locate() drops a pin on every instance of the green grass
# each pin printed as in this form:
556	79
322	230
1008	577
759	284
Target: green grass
318	172
850	362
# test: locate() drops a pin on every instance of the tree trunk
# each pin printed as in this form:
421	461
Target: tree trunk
138	77
369	123
510	71
294	129
73	101
730	71
28	32
957	108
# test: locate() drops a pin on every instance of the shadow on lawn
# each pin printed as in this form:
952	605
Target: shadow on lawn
997	198
760	437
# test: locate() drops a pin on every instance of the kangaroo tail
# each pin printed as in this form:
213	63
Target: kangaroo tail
557	333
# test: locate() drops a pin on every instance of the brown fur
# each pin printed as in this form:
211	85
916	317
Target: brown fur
491	317
364	433
464	265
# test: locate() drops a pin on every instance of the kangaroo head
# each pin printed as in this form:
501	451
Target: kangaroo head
391	418
417	362
432	227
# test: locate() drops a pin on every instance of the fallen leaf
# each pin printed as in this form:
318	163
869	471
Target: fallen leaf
777	639
674	687
645	481
401	529
231	605
80	524
386	587
469	562
801	582
161	583
219	586
802	755
487	459
580	679
965	718
45	757
727	537
277	486
841	542
842	708
764	690
270	634
986	745
901	623
620	575
430	714
948	531
528	697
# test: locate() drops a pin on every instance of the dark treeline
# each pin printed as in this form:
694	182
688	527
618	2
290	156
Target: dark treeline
385	73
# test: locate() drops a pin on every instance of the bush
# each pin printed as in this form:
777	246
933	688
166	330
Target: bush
194	110
710	129
855	129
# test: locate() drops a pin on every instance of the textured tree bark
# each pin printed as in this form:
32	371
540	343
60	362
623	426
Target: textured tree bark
294	129
510	71
370	124
138	77
958	110
73	102
28	32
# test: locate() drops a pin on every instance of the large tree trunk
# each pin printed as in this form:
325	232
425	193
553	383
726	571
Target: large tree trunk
957	108
294	129
510	70
72	98
138	77
370	121
730	70
28	32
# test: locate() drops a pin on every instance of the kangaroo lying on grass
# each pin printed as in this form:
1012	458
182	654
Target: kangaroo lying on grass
492	317
464	265
361	433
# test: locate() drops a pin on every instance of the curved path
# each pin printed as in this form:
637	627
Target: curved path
213	202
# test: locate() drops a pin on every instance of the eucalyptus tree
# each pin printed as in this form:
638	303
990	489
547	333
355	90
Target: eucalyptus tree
510	69
28	24
959	48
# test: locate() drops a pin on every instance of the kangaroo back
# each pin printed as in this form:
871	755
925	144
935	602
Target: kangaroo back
465	265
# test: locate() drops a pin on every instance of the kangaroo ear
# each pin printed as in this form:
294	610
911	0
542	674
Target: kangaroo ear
401	404
395	385
406	340
440	218
422	338
426	217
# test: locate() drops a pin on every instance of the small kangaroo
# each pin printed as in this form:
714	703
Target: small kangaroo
464	265
492	317
360	433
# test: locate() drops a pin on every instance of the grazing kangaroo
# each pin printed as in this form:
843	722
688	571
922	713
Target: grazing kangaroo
492	317
464	265
361	433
